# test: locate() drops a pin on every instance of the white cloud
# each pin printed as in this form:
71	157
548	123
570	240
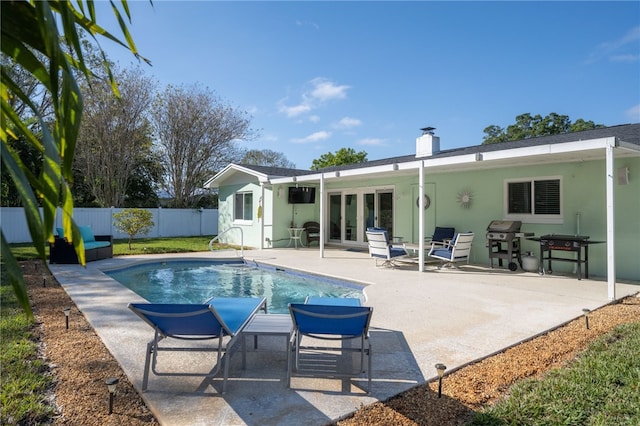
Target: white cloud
371	142
319	92
347	123
314	118
307	24
633	113
616	49
625	58
296	110
325	90
313	137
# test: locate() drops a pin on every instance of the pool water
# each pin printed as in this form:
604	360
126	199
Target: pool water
197	281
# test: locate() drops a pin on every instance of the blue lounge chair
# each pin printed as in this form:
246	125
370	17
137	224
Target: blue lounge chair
218	318
327	322
381	248
457	251
334	301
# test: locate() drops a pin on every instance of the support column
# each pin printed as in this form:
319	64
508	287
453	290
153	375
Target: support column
421	217
610	179
322	200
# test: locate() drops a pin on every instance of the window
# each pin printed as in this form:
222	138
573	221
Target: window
243	206
534	200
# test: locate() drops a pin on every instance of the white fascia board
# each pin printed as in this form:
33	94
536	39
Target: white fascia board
447	161
627	146
230	168
532	151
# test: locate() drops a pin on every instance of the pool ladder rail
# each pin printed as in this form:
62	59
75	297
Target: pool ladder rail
214	239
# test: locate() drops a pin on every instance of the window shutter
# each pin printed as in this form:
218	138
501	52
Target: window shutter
547	197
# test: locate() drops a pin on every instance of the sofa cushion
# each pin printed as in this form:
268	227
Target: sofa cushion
96	244
87	234
60	232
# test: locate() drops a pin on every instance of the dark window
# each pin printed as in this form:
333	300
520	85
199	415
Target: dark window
534	197
243	206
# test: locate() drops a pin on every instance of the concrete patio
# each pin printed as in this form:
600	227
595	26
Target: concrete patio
420	319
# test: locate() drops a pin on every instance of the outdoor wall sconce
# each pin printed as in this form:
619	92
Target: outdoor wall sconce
440	368
586	317
66	311
111	383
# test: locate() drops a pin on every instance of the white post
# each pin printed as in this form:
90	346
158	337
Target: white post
321	242
261	206
611	258
421	217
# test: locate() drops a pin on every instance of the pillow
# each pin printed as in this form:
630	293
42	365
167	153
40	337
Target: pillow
87	234
60	232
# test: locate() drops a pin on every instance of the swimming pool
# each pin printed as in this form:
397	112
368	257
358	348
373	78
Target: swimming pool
196	281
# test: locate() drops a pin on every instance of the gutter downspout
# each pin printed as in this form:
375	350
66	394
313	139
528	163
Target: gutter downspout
609	185
421	213
321	242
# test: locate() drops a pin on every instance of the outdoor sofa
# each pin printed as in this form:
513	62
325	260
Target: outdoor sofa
96	247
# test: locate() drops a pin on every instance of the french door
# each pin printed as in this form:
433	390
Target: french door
351	212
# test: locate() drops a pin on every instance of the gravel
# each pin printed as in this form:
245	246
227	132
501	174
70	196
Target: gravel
80	363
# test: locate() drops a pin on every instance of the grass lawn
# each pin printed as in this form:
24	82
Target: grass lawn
138	246
24	377
601	387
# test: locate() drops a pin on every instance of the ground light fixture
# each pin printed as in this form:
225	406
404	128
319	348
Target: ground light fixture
111	383
586	317
440	368
66	311
44	280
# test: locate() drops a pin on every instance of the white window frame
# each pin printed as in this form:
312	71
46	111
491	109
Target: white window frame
242	221
532	217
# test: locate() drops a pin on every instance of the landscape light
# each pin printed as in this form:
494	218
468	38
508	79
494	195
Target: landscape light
111	383
586	317
440	368
44	280
66	311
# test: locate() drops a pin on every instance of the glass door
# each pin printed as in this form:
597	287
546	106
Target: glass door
385	211
351	217
335	217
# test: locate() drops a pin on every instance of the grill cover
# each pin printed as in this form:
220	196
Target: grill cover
504	226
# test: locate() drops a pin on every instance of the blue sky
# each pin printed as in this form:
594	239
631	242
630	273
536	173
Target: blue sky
319	76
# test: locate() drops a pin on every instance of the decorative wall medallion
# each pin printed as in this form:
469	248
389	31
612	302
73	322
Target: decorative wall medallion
464	198
427	201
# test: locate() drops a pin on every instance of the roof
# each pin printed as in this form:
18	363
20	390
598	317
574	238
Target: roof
628	133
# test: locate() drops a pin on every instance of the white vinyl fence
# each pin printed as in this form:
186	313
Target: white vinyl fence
167	222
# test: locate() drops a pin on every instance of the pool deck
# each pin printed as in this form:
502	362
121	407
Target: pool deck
439	316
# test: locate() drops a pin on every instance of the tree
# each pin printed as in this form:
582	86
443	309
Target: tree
31	39
196	134
341	157
528	126
115	136
133	222
267	157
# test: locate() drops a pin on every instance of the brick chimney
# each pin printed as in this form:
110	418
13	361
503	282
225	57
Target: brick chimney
427	144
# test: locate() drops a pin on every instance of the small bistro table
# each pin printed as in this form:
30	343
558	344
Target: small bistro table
295	236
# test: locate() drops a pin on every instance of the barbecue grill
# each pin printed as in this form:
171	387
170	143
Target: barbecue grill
503	241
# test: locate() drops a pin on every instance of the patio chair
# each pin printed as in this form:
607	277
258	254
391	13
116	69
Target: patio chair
221	318
381	248
312	229
457	251
342	323
442	235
